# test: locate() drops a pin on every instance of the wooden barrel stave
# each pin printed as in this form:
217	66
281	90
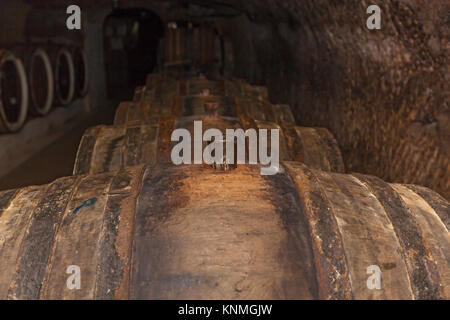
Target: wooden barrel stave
107	148
154	227
14	218
38	240
437	202
350	199
416	254
85	151
436	245
82	227
361	219
311	150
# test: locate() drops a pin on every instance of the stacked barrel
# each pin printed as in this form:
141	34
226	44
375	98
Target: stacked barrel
142	128
137	226
36	78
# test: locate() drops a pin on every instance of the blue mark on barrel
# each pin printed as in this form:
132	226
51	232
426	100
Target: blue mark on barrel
87	203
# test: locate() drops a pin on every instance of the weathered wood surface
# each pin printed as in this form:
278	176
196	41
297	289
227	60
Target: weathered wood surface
193	232
110	148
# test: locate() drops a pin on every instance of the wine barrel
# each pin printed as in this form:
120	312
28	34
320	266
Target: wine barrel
40	77
137	139
81	72
195	83
64	74
315	147
193	232
175	46
184	84
203	46
13	92
192	46
255	92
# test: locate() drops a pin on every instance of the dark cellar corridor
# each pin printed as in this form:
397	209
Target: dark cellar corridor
364	148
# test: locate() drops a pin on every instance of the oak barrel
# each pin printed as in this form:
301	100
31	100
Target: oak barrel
195	82
13	92
40	77
203	46
64	74
175	43
193	232
142	133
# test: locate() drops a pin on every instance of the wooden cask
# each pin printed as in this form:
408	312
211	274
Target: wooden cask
315	147
175	43
13	92
169	99
40	76
64	74
194	83
107	148
203	46
194	232
192	47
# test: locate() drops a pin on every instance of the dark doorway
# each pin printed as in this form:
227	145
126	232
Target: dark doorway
131	39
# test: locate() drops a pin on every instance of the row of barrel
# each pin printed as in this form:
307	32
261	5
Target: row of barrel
142	128
36	78
137	226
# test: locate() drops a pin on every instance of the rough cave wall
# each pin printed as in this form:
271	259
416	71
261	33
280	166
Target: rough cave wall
383	93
